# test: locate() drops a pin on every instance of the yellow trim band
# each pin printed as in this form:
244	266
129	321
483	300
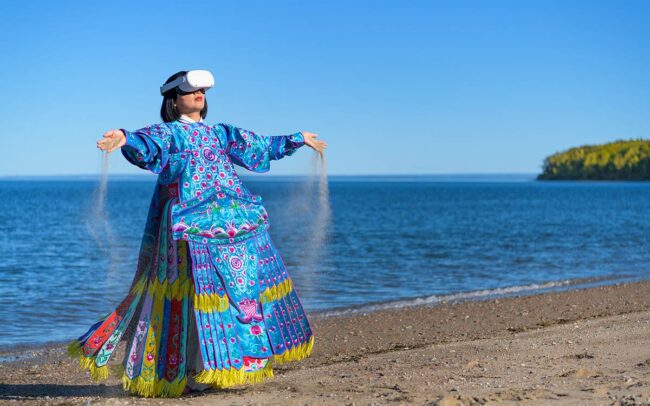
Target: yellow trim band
276	292
226	378
151	388
211	302
295	353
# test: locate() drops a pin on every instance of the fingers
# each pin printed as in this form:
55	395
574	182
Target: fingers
319	146
106	144
112	133
102	146
312	142
110	140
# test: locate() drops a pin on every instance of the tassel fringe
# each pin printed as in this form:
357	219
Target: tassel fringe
148	389
211	302
296	353
74	349
221	378
96	373
171	389
276	292
139	386
177	290
227	378
216	378
260	375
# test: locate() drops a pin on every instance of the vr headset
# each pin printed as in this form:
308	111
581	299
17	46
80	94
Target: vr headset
190	82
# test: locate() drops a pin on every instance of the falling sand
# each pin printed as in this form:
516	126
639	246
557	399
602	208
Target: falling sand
311	200
322	213
97	219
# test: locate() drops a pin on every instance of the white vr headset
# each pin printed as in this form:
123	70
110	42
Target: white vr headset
190	82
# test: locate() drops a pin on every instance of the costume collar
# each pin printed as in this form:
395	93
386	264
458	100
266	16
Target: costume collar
187	120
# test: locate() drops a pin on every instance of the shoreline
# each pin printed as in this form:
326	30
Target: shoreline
28	350
450	352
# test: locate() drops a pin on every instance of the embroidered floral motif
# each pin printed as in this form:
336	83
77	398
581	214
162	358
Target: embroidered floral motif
228	275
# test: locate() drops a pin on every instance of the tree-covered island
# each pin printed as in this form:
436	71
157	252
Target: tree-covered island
618	160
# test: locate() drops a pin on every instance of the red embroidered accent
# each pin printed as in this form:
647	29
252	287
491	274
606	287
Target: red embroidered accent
174	341
172	190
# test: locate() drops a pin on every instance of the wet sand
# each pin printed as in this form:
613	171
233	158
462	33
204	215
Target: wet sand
586	346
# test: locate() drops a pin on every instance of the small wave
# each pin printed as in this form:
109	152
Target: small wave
483	294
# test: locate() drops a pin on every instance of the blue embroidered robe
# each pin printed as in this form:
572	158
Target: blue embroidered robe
206	255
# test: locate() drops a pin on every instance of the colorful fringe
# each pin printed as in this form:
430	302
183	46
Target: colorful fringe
240	295
211	302
296	353
96	373
95	347
232	377
150	389
276	292
227	378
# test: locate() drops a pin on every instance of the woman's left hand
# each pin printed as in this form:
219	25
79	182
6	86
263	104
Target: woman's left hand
311	141
112	140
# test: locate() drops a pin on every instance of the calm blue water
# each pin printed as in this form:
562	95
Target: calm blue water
390	239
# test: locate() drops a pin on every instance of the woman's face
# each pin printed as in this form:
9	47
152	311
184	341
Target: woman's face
190	102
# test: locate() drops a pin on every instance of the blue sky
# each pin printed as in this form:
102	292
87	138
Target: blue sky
394	87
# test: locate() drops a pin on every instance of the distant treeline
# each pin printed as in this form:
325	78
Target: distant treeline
619	160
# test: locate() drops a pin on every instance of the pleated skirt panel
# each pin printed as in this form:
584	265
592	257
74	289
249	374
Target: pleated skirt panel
216	315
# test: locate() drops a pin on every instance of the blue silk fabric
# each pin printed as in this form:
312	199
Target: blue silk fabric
206	253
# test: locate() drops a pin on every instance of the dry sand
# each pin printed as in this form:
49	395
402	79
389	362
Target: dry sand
587	346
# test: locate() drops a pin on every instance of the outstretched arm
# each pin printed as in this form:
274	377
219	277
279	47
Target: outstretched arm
146	148
254	151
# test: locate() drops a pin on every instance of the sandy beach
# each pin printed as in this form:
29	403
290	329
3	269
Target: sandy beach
585	346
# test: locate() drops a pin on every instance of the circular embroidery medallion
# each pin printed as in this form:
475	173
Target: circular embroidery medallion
236	263
208	154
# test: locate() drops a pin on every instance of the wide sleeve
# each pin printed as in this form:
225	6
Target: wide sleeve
255	152
148	147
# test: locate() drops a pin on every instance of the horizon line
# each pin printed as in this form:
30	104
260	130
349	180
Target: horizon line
262	176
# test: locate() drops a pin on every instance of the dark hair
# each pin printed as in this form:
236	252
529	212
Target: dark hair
168	112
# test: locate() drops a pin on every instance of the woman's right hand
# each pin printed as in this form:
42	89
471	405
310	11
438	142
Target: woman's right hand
112	140
310	140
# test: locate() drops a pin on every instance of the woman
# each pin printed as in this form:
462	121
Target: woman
211	303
